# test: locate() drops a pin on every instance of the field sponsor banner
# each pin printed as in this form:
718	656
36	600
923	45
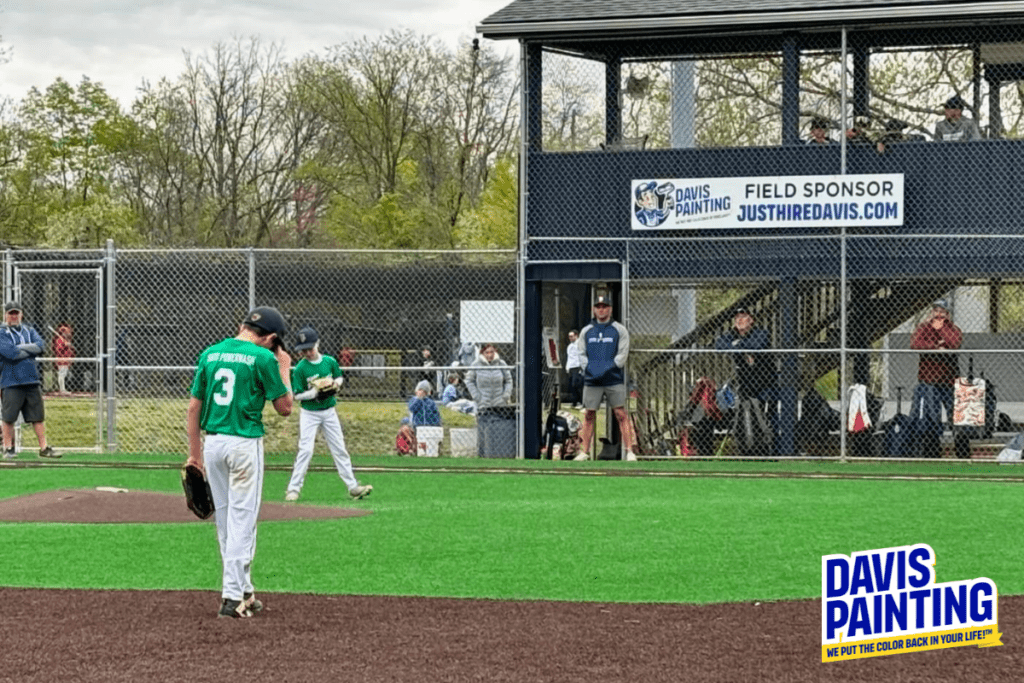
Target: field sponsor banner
768	202
887	602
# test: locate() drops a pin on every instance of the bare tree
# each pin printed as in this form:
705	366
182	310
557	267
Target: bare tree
244	138
470	123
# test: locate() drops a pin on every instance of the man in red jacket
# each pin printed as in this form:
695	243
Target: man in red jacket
938	369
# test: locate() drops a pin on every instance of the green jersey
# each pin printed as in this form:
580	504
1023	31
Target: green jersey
234	380
305	372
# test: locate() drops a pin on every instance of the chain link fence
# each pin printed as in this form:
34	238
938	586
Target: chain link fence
138	319
854	190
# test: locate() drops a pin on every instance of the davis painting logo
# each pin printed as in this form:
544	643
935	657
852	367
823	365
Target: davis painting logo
652	203
886	602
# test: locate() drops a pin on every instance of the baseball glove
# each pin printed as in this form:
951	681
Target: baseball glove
198	496
325	387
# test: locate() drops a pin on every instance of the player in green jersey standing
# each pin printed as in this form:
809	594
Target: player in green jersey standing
234	379
318	410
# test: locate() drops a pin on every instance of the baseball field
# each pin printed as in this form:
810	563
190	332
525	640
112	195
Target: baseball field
490	570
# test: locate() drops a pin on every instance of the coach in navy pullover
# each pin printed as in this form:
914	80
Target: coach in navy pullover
604	348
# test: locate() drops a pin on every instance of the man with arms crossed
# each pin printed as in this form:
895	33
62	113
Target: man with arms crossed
20	345
604	348
234	379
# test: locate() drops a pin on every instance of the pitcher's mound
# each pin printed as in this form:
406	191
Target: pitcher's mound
111	505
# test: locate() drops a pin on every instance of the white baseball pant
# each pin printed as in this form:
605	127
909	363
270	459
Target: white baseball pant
234	467
309	422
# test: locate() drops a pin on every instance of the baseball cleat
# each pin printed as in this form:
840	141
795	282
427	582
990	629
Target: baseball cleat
291	496
582	456
360	492
10	454
630	456
252	603
233	609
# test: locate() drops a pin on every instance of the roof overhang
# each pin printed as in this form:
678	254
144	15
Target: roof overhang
834	16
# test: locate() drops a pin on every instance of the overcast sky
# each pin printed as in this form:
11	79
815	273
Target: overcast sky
122	42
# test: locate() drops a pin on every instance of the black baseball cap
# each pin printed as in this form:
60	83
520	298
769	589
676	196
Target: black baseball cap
602	299
12	306
306	339
742	310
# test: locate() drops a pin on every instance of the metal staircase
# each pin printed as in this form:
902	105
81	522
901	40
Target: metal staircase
665	380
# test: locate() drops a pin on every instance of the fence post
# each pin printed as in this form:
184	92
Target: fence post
111	355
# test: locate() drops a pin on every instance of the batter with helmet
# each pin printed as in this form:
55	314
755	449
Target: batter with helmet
234	379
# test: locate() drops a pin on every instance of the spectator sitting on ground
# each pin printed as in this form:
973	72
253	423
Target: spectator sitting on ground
422	408
405	440
450	397
954	127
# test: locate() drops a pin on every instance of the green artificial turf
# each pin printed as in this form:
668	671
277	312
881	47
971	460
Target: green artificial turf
590	537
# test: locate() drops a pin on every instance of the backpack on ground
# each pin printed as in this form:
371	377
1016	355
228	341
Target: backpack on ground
898	439
817	419
610	450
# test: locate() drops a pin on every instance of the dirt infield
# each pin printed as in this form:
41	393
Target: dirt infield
128	636
105	505
131	636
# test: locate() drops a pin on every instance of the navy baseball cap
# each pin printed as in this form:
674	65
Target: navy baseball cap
645	187
306	339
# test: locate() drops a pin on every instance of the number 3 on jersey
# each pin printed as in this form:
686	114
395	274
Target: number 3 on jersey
227	388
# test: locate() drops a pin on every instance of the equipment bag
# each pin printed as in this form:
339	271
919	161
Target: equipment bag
817	419
969	401
750	427
974	410
1013	449
898	431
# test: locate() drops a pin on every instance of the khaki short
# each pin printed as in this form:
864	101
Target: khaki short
616	395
